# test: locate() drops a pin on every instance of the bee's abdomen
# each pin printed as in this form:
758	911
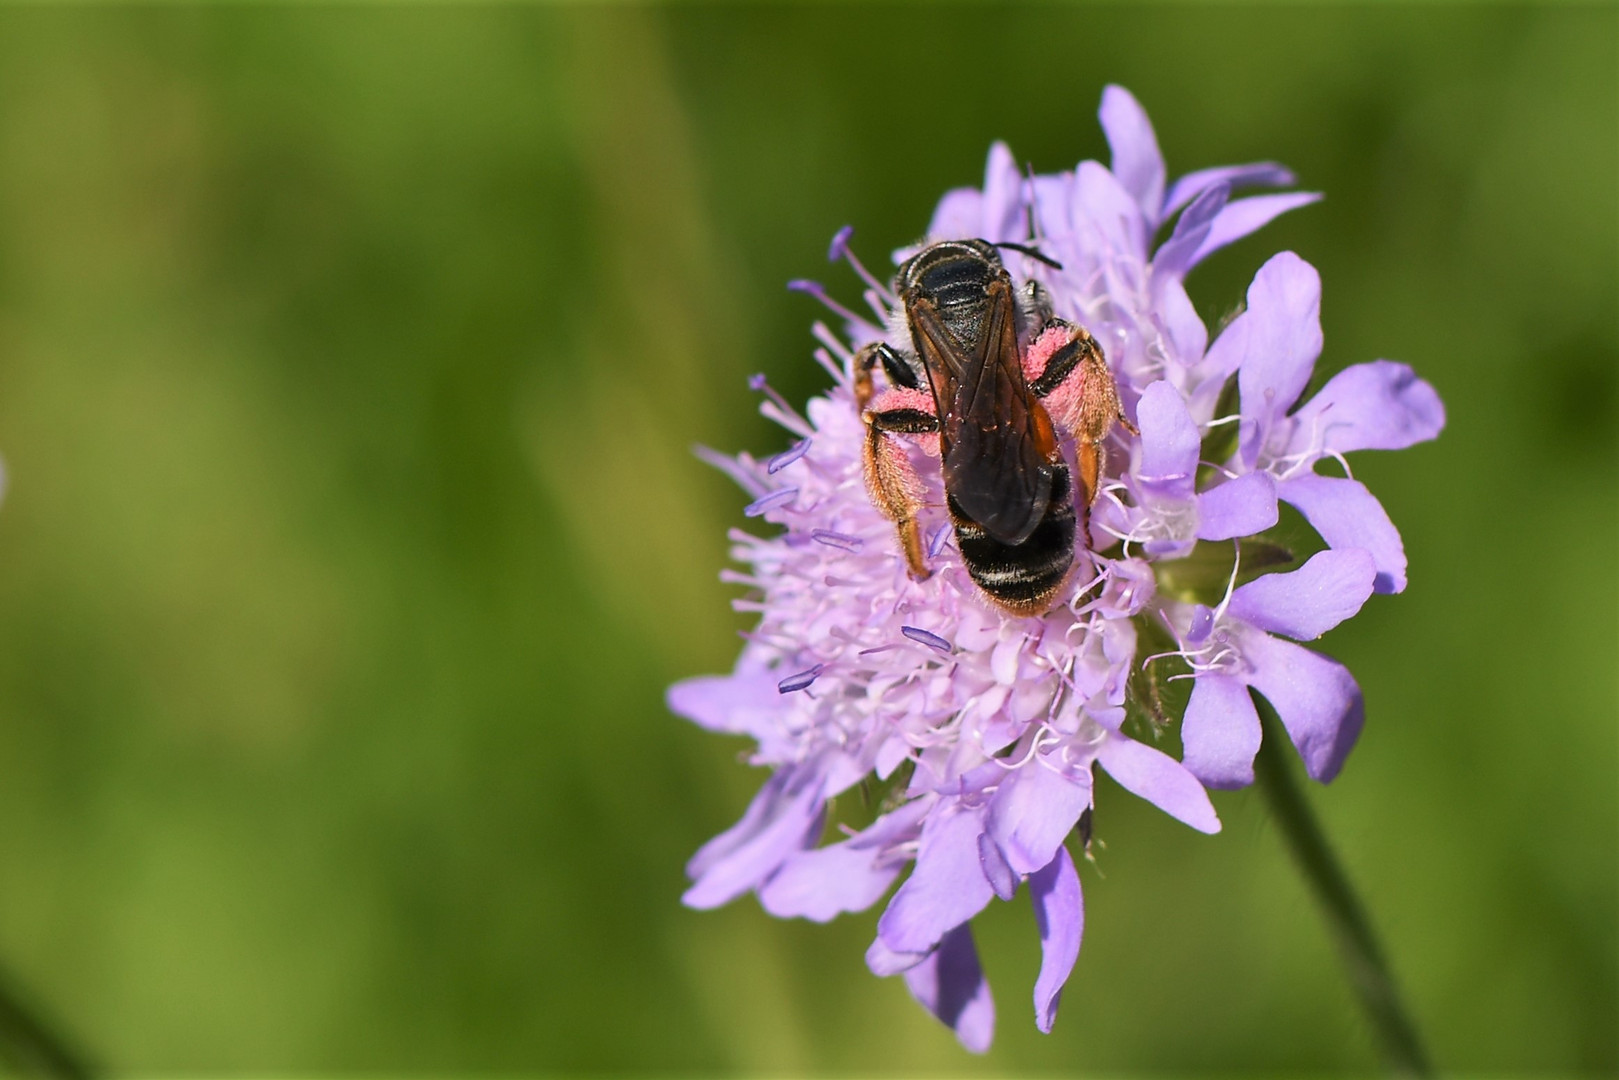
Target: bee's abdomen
1024	577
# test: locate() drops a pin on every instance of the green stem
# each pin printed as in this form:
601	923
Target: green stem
29	1046
1350	928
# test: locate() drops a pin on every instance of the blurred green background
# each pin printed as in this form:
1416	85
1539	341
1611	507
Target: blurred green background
349	363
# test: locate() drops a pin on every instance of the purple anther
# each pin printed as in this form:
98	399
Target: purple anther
936	541
842	541
779	497
1202	623
788	456
840	243
924	637
800	681
805	285
756	382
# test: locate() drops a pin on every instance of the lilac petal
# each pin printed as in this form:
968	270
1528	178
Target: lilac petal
947	887
1377	406
884	961
1317	698
958	216
996	869
1053	202
1240	507
1174	256
847	876
1180	319
950	984
1222	358
1282	337
1348	516
1169	441
1032	810
1193	184
1160	779
1220	733
744	703
1137	161
1059	914
1002	208
1100	203
1244	216
1311	600
784	818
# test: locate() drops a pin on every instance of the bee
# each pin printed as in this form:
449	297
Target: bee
997	383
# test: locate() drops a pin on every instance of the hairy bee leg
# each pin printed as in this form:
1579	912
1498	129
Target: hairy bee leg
892	483
1073	378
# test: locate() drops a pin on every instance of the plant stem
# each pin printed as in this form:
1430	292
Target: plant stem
1368	972
29	1046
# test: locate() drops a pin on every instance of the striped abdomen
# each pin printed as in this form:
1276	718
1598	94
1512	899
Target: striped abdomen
1023	578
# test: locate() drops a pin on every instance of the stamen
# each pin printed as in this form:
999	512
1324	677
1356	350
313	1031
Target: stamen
817	290
924	637
1028	755
785	416
823	333
878	649
759	384
840	244
936	542
779	497
842	541
800	681
1339	458
787	457
840	250
824	358
1182	653
728	465
876	301
1236	562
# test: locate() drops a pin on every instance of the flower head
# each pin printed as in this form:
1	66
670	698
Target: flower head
980	727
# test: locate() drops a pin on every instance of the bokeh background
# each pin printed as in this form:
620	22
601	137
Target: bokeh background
350	359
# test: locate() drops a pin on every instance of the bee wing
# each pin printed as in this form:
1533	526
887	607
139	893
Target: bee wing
993	466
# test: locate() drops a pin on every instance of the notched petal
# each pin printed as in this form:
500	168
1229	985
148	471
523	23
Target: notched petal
1381	405
1240	507
1349	516
1316	697
1309	601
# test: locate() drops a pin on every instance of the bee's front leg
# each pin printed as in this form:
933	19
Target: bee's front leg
904	372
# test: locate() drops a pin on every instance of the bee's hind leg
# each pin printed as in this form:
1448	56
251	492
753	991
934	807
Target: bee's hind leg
1067	371
894	487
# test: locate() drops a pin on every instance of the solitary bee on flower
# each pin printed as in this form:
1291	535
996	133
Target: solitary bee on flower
1006	483
945	614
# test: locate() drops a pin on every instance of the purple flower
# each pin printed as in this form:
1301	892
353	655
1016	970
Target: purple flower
982	729
1382	405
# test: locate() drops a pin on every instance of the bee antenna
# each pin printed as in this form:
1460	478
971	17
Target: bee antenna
1033	253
